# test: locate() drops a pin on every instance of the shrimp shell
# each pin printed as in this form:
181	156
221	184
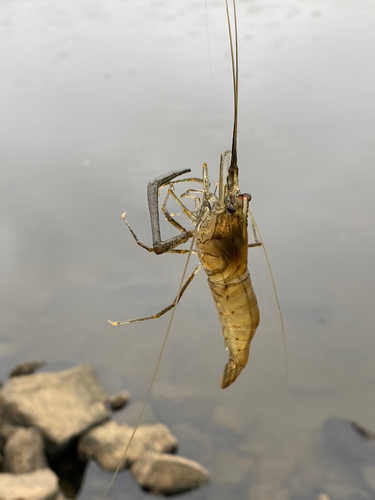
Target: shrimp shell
222	248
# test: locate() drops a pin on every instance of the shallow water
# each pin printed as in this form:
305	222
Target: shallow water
96	99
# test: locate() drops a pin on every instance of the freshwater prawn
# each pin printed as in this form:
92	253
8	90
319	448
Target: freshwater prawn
220	236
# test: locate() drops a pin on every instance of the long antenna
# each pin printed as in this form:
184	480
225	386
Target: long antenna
275	293
233	169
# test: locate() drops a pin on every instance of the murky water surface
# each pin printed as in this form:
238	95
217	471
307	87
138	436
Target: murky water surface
99	97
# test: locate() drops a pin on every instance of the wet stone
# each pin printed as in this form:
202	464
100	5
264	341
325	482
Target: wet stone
348	442
118	401
24	451
38	485
164	474
6	430
61	405
107	443
362	431
60	420
26	368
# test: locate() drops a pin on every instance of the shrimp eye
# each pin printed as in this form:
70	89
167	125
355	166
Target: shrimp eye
231	209
248	195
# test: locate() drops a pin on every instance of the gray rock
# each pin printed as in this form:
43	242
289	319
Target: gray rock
363	431
26	368
24	451
347	443
6	430
164	474
157	437
61	496
107	443
335	464
38	485
118	401
61	405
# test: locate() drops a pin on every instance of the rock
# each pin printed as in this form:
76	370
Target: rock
26	368
118	401
164	474
362	431
347	442
38	485
61	496
107	443
337	463
157	437
6	430
61	405
24	451
63	416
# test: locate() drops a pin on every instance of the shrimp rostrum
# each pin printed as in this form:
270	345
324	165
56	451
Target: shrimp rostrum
221	243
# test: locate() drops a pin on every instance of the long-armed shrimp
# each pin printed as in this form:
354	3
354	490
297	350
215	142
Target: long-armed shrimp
220	238
221	242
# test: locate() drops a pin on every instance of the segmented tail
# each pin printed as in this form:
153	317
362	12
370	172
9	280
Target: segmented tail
230	373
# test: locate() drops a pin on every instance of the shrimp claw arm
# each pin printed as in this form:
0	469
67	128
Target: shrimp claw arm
153	187
151	249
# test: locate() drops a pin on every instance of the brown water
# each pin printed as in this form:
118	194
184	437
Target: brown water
99	97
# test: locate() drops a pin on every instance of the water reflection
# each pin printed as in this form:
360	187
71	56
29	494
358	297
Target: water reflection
130	87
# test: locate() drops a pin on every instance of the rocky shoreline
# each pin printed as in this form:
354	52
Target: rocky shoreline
53	423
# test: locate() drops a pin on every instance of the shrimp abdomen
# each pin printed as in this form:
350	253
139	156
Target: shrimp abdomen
239	316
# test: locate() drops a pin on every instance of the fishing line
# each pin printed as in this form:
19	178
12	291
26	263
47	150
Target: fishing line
208	44
211	106
275	293
156	367
181	285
